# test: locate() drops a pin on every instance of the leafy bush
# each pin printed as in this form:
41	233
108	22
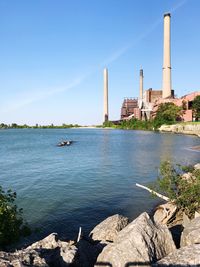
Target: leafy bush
12	226
108	124
135	124
182	189
167	113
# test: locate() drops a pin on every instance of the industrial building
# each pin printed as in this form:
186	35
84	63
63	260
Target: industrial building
129	107
145	107
149	97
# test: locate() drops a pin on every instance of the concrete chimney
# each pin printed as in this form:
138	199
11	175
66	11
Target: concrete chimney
166	88
141	84
105	112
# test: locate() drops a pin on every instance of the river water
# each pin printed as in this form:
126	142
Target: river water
62	188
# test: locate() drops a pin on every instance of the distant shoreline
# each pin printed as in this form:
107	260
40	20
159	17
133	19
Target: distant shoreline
180	128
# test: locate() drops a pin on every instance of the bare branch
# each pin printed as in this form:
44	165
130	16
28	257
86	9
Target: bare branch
79	235
153	192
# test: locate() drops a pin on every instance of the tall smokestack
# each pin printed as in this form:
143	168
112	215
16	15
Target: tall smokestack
105	112
166	89
141	84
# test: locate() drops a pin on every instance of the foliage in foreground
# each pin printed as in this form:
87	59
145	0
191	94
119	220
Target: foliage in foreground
12	226
181	184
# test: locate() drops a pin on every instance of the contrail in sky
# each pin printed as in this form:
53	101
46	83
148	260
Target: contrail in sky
177	6
123	50
26	100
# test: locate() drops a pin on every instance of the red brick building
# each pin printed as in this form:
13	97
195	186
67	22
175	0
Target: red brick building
185	102
129	107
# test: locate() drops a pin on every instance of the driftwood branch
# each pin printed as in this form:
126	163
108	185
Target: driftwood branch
153	192
79	235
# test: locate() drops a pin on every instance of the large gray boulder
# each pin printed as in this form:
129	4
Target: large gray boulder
186	256
164	213
197	166
49	242
191	233
22	258
109	228
15	263
45	253
142	242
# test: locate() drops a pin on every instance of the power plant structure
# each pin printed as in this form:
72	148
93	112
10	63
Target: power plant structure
151	96
147	98
145	107
129	105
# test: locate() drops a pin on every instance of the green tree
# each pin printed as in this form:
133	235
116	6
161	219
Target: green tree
167	113
108	124
12	226
182	190
3	126
14	125
196	107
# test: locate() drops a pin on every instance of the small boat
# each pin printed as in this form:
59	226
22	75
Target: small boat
65	143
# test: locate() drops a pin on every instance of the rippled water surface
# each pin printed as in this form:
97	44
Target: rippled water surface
62	188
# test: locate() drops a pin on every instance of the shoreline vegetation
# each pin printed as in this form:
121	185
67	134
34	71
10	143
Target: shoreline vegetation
132	124
188	128
37	126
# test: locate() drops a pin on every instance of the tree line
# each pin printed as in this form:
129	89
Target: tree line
25	126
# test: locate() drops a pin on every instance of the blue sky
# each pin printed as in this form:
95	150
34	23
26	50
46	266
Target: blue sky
52	55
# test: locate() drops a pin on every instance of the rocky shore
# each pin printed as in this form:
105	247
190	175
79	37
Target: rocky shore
116	242
192	129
